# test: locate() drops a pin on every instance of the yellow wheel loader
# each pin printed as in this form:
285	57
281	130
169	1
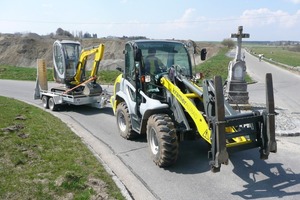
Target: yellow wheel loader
168	105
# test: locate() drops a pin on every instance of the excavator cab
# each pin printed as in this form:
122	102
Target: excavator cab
66	55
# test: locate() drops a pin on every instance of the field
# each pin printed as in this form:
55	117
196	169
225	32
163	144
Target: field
282	54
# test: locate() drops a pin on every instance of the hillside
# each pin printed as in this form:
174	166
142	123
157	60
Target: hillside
23	50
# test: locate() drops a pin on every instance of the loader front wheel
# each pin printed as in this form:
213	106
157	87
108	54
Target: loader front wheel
124	122
162	140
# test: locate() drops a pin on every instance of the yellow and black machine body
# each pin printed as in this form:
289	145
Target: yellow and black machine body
70	60
76	87
169	105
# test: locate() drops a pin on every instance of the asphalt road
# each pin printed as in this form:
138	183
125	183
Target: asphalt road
245	176
286	93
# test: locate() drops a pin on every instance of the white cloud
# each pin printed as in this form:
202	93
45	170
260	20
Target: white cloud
295	1
183	22
266	17
47	5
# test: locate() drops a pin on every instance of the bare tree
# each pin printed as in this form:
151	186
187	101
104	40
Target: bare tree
229	43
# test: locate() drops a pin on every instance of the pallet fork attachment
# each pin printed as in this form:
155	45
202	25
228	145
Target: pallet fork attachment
221	156
269	141
233	131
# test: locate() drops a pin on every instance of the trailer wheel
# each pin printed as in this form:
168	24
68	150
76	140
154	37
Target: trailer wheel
162	140
51	104
124	122
45	102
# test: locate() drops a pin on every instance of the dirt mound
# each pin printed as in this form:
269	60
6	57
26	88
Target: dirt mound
23	50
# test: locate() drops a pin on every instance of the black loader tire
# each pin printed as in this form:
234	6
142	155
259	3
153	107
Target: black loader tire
124	122
162	140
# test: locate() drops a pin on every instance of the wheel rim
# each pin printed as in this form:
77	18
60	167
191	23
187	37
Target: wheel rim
51	103
122	122
45	101
153	142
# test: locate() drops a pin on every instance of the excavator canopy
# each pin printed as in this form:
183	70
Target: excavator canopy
66	55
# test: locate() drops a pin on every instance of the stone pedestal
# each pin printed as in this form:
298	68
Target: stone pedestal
237	92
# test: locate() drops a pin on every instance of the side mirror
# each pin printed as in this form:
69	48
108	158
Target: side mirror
203	54
137	55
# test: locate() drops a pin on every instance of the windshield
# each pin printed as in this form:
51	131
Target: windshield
72	52
165	55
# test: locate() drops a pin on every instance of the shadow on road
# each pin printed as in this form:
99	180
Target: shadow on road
86	110
192	158
264	180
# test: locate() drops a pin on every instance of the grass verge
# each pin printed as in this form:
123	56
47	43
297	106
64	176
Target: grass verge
281	54
29	74
41	158
217	66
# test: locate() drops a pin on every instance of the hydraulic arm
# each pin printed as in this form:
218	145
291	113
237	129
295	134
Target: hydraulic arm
98	51
221	126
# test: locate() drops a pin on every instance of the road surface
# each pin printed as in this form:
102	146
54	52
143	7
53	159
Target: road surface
245	176
287	98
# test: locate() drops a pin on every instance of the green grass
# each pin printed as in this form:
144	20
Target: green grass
217	66
280	54
20	73
108	76
41	158
29	74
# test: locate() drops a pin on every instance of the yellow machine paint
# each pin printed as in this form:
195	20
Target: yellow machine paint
196	115
112	98
98	55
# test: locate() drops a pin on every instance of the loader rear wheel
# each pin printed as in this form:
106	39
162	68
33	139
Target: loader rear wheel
162	140
124	122
52	105
45	102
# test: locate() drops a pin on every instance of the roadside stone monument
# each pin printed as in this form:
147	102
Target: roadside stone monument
236	88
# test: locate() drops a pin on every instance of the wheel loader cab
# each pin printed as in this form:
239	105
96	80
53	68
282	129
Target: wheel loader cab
147	60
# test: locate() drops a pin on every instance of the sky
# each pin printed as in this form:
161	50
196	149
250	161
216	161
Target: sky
198	20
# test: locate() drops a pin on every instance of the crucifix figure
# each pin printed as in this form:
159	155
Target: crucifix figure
239	35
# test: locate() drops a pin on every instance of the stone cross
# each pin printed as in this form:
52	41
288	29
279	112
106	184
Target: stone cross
239	35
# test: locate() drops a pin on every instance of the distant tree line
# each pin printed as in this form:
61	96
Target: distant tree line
79	34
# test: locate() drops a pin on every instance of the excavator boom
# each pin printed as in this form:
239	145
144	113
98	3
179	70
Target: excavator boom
98	55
